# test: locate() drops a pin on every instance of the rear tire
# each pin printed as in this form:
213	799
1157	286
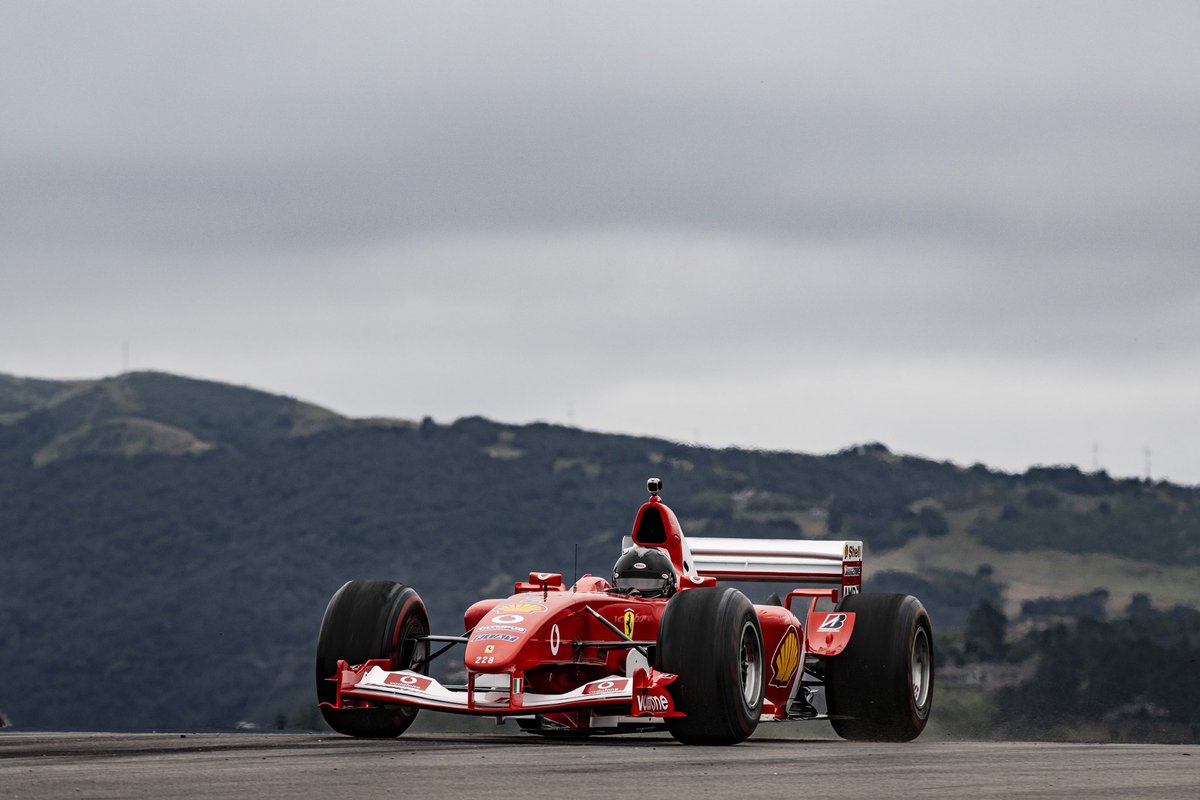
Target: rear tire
880	688
368	620
711	639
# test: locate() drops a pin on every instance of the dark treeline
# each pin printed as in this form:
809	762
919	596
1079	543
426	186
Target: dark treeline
1127	676
168	545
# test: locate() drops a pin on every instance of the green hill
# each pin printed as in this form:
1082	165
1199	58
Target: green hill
144	413
169	544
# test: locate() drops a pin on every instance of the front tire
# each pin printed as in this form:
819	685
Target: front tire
880	688
368	620
712	640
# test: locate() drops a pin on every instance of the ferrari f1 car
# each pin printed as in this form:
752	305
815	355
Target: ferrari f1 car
661	645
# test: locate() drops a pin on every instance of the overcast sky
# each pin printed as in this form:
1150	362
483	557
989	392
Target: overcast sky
970	231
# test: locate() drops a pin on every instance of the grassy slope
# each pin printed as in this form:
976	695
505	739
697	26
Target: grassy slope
1044	572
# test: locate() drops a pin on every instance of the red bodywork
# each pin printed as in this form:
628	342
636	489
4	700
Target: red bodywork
581	657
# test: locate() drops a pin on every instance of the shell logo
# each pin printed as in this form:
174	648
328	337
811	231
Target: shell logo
521	608
786	658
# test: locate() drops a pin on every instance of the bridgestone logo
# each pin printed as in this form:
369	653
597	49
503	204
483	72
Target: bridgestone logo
652	703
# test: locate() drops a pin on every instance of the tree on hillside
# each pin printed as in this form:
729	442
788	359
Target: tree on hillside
984	636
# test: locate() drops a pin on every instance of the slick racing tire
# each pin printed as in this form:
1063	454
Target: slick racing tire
368	620
711	639
880	688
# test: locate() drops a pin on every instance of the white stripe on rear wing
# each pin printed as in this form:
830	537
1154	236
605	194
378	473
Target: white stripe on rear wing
799	560
771	559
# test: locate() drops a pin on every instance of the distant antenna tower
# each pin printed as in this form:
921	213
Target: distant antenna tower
1147	453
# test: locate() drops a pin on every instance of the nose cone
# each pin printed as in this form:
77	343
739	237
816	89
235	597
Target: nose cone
502	633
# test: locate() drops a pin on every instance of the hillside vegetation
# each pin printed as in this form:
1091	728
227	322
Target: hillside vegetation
169	544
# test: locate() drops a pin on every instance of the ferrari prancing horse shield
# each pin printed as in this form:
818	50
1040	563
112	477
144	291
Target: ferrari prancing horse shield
630	619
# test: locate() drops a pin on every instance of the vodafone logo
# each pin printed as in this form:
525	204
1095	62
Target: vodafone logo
508	619
555	640
654	704
405	681
606	687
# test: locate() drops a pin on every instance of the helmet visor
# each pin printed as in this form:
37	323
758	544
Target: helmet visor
641	582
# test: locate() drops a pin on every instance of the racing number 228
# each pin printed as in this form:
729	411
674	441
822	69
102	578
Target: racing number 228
485	659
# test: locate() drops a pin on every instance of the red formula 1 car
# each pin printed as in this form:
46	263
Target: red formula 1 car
661	646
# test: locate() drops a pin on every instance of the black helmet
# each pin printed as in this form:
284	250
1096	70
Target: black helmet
644	570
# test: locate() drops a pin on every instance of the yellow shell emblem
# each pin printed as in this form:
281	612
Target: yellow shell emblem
787	658
520	608
630	620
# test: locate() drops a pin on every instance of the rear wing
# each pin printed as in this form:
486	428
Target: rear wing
837	563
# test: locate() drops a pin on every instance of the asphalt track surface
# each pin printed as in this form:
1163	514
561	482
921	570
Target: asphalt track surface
300	767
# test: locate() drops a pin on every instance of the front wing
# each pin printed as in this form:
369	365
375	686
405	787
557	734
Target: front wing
501	694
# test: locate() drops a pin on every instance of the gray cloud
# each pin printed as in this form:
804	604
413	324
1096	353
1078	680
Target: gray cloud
507	208
268	126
